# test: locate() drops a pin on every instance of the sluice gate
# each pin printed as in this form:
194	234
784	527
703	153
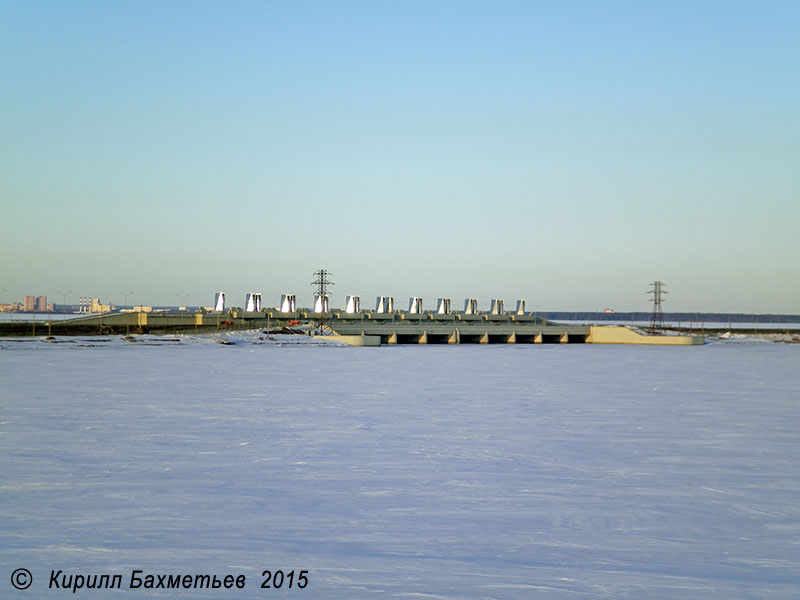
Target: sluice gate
432	332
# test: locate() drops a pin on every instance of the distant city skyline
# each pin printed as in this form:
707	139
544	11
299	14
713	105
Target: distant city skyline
563	153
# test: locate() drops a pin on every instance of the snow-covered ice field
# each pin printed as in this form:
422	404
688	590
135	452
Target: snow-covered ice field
555	471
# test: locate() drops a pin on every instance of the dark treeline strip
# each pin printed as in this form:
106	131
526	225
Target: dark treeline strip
670	317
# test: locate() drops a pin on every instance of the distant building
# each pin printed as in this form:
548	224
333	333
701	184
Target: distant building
35	303
95	306
140	308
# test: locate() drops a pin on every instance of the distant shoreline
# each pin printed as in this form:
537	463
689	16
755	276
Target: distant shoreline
583	316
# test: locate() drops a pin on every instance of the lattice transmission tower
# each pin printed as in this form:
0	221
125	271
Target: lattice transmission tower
322	282
657	318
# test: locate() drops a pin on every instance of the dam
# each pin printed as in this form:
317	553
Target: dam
360	328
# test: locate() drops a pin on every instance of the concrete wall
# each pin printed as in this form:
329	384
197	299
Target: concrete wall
352	340
624	335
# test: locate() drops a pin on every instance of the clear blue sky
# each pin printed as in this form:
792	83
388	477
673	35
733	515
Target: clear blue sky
568	153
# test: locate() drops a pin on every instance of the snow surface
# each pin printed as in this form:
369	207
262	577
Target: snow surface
519	471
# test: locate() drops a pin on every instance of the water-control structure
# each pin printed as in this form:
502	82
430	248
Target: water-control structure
288	303
320	303
384	304
252	302
353	305
219	301
496	307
